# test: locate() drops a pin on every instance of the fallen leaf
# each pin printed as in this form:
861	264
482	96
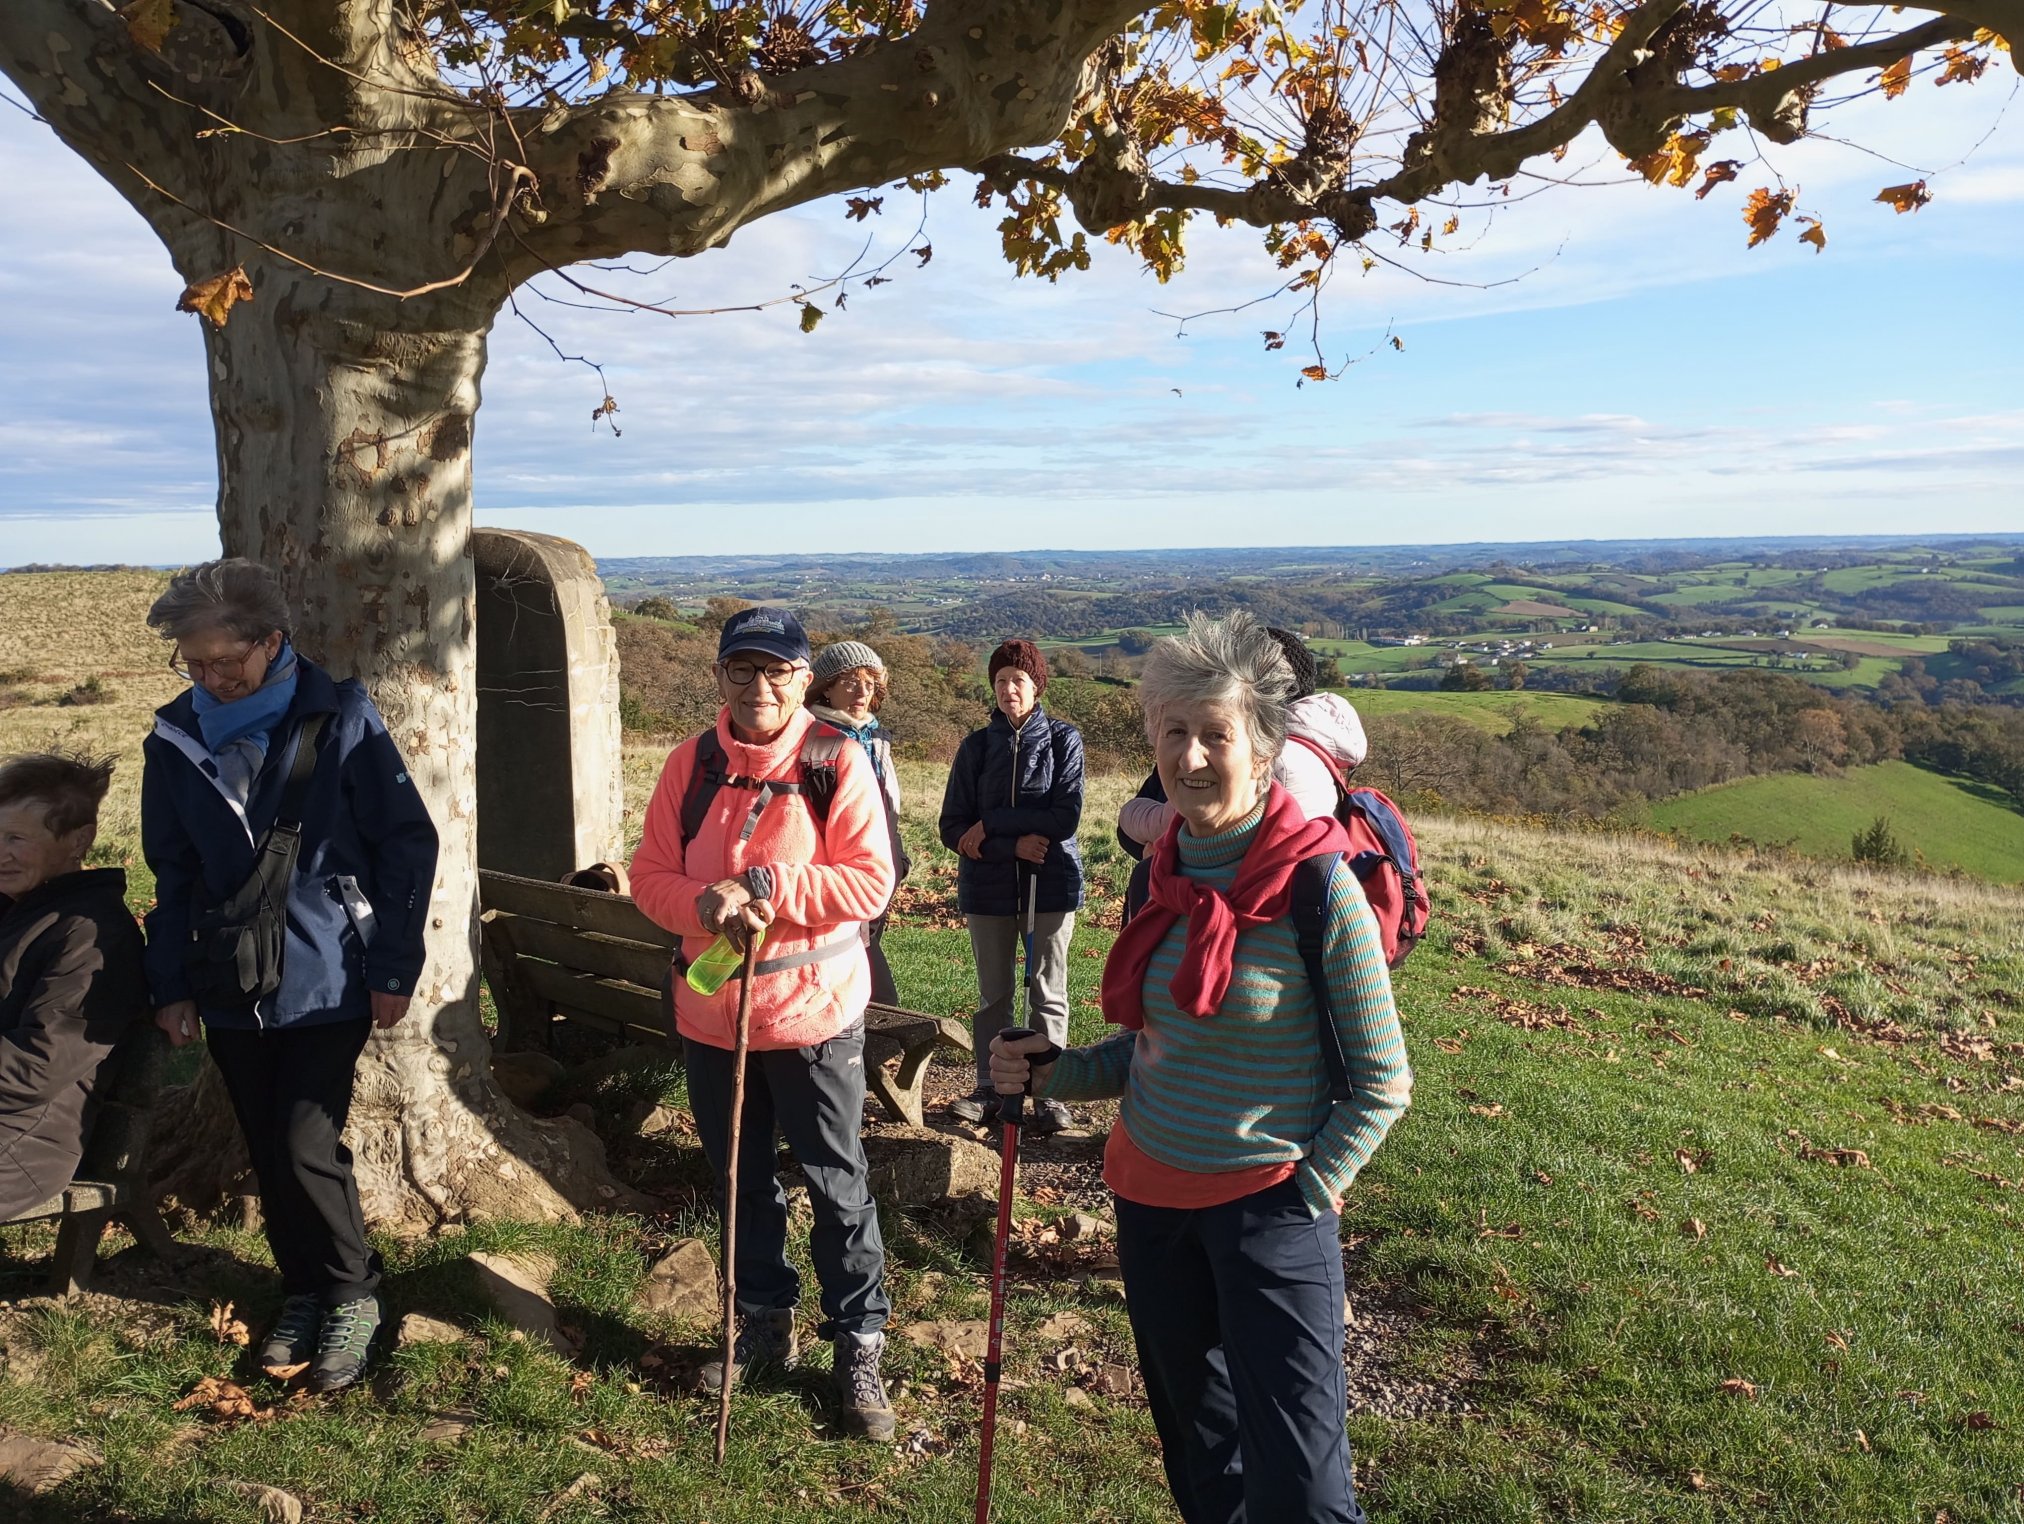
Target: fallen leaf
1494	1110
276	1506
1862	1441
214	298
227	1329
1736	1386
1782	1271
1979	1419
1693	1227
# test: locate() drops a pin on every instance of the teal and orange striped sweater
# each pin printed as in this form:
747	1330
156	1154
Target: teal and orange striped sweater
1247	1086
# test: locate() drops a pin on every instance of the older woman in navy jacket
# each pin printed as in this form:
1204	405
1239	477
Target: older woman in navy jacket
217	765
1013	803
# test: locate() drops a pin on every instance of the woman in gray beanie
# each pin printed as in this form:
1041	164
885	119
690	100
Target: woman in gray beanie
846	686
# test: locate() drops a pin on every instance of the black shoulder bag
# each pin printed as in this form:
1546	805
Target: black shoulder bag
233	957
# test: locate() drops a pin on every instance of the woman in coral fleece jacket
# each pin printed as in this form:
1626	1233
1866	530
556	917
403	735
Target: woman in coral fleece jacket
761	857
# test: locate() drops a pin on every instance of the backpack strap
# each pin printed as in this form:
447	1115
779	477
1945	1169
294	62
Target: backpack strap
1312	880
295	792
820	749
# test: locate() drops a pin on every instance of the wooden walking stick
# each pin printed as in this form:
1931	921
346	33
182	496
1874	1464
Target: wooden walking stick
743	1040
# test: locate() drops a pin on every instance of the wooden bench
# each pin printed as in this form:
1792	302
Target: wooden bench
550	951
111	1183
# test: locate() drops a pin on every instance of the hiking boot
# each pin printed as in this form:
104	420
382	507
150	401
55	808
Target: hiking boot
348	1331
865	1409
1048	1118
292	1340
979	1108
765	1342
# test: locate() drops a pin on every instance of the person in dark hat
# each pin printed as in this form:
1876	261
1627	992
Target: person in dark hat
1013	803
740	838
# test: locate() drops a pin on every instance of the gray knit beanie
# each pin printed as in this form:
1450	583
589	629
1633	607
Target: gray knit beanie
832	661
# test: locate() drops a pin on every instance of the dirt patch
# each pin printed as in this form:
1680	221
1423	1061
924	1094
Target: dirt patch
1531	608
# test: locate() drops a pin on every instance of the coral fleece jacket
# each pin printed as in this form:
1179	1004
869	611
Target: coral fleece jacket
828	879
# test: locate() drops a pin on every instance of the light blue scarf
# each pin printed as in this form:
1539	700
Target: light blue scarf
862	734
236	733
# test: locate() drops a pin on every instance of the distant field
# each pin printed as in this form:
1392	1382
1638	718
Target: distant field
1494	712
1955	824
77	624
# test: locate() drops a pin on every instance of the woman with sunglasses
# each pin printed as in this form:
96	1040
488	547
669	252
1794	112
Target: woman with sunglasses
217	767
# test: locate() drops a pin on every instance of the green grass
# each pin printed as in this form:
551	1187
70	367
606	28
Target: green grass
1521	1232
1954	823
1494	712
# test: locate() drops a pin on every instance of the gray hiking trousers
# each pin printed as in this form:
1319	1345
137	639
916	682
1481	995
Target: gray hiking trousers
995	943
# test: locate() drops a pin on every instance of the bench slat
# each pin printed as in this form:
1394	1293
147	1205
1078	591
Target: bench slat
620	958
624	1004
585	909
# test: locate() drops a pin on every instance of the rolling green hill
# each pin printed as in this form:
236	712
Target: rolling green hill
1954	824
1494	712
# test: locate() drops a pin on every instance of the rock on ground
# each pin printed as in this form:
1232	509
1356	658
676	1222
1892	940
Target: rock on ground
276	1506
527	1078
420	1328
954	1336
917	1167
36	1466
683	1282
516	1286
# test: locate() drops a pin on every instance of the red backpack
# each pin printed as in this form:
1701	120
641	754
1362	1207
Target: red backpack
1385	859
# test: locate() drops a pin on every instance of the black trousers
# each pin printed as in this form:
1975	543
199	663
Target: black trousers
815	1098
883	990
1237	1314
291	1088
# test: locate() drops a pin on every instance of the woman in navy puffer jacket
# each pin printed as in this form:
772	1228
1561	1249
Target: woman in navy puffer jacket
1013	803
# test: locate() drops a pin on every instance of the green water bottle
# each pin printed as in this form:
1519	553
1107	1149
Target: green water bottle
719	962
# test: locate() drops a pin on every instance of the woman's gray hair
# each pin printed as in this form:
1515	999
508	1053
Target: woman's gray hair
230	594
1233	660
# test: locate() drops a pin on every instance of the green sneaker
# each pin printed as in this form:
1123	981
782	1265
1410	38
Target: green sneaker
292	1340
348	1331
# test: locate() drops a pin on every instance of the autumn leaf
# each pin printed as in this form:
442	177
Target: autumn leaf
1764	211
1721	172
810	316
214	298
857	208
1315	373
1784	1272
1694	1228
1451	226
1897	78
924	253
148	22
1736	1386
1815	234
1905	198
1962	68
1274	340
1978	1419
227	1329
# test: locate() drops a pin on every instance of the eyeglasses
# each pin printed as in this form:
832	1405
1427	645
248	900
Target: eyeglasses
740	674
224	668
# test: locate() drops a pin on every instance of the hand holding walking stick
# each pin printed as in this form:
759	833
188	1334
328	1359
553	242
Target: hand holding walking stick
742	1042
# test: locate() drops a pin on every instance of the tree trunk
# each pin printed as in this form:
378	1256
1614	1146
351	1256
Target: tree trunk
344	460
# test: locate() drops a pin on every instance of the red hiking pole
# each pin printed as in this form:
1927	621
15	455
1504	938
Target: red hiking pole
744	1038
1012	1112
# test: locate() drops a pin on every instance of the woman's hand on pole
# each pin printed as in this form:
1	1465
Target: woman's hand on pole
1011	1071
1032	848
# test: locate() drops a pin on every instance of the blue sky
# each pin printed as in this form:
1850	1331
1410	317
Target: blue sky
1644	375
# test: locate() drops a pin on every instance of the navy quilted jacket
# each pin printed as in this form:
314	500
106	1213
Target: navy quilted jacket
1048	802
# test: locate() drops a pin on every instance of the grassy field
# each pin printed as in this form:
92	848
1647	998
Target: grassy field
1954	823
1494	712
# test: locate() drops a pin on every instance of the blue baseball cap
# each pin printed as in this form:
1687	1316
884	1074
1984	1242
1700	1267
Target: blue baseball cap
776	632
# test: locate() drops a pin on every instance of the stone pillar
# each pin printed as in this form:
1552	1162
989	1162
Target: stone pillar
550	795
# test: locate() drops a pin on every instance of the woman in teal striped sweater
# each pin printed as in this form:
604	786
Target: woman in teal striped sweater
1230	1157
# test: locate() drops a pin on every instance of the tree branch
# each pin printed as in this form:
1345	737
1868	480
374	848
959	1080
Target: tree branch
679	175
1636	115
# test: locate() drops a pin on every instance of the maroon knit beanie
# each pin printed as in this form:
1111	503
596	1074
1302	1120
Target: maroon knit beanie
1024	655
